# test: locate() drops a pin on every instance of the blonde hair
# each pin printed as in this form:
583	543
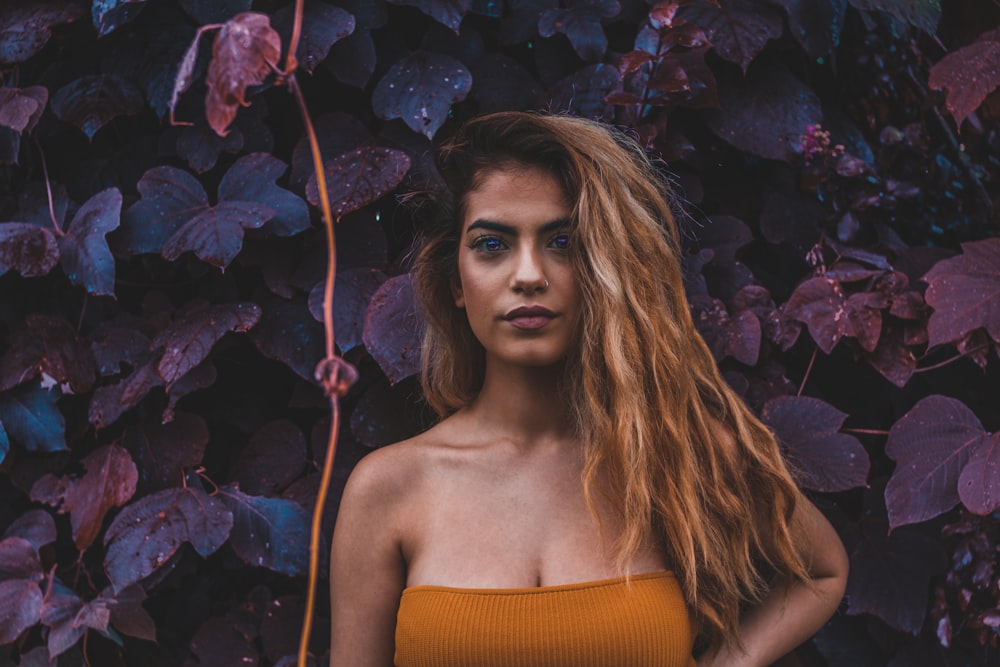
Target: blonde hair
688	464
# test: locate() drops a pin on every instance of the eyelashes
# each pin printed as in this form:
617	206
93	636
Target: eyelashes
489	245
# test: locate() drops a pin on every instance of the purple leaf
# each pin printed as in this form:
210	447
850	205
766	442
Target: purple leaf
322	26
393	329
47	345
19	559
188	341
268	532
83	250
20	608
931	445
110	402
28	249
109	15
815	25
201	147
964	292
446	12
25	28
170	197
581	23
583	92
117	344
273	458
359	177
923	14
128	616
215	236
820	304
336	133
200	377
35	526
765	113
420	89
30	416
288	333
352	60
109	482
823	458
892	357
59	611
221	642
251	179
354	290
738	29
20	108
979	483
162	451
725	235
148	532
737	336
93	101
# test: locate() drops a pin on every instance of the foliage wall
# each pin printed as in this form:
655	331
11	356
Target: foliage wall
835	167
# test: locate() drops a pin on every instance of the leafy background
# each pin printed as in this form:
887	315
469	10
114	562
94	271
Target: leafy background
835	167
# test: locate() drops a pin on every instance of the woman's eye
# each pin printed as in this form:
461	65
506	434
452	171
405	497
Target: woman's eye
488	244
560	242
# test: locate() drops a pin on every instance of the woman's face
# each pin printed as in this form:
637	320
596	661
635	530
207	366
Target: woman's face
515	279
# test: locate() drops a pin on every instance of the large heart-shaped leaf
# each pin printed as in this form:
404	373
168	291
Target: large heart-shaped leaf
288	333
148	532
393	329
25	28
48	345
979	483
809	430
20	108
109	15
446	12
188	341
83	249
109	481
31	418
20	607
923	14
964	292
359	177
251	178
738	29
28	249
19	559
815	24
215	235
273	458
420	89
967	76
581	23
322	26
35	526
93	101
169	198
354	290
584	91
268	532
162	451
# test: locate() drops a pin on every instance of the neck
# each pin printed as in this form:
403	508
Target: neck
522	404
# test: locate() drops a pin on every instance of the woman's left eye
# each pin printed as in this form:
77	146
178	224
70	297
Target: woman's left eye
560	242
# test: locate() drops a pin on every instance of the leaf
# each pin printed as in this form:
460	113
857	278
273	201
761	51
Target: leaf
892	357
188	341
26	28
393	329
967	76
386	414
738	29
923	14
28	249
446	12
201	147
109	402
116	344
47	345
20	608
215	236
4	443
816	25
725	235
323	25
766	113
272	459
83	249
245	51
20	108
820	304
584	91
336	133
146	533
581	23
31	418
290	335
420	89
737	336
251	179
979	483
109	482
35	526
200	377
931	445
59	611
128	616
162	451
170	197
93	101
268	532
822	458
359	177
964	292
354	290
222	642
19	559
109	15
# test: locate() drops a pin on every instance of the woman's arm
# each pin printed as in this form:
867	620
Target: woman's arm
791	613
367	570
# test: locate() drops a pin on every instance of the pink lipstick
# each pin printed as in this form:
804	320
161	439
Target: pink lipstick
529	317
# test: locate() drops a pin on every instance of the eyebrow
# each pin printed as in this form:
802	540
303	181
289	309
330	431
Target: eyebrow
501	228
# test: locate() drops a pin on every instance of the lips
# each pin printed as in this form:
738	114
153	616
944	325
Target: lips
529	317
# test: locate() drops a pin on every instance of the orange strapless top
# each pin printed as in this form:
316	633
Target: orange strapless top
608	623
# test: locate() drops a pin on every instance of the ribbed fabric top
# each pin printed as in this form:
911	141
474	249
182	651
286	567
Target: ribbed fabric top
642	622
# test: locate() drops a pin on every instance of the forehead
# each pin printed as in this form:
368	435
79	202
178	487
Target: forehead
517	194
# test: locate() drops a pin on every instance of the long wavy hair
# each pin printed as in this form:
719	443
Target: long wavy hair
684	460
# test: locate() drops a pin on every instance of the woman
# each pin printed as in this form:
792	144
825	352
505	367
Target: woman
595	494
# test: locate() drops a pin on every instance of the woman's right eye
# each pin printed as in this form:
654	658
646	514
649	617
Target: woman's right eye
488	244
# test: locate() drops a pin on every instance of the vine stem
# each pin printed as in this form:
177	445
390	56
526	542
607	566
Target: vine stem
971	350
865	431
48	190
802	385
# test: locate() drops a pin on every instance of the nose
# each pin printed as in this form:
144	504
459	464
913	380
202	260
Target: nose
528	275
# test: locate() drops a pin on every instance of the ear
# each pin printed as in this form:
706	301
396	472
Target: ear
456	291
